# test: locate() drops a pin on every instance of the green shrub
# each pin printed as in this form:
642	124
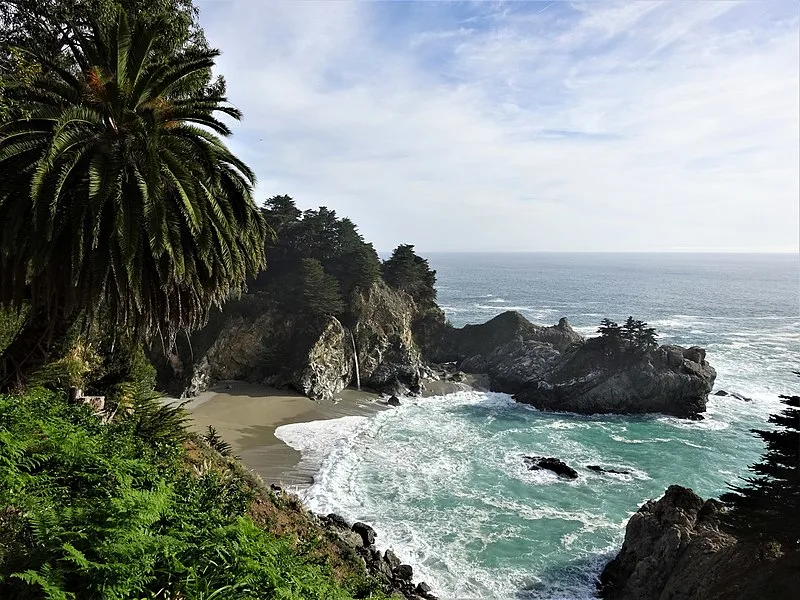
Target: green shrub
111	511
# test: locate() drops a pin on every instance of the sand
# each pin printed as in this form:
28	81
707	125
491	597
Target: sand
246	415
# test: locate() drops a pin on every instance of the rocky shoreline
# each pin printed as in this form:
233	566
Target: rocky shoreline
393	346
676	547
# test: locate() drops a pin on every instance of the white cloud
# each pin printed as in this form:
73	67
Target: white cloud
638	126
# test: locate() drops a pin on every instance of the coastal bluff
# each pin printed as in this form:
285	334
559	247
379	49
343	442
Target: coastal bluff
677	548
388	343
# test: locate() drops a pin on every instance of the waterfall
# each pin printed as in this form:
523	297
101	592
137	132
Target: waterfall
355	358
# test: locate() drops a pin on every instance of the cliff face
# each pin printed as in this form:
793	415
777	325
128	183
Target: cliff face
675	549
262	344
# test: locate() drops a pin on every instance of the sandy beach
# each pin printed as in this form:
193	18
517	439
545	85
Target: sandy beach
246	416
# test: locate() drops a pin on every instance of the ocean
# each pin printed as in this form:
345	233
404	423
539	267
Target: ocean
442	479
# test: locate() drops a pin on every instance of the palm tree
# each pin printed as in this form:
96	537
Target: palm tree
118	197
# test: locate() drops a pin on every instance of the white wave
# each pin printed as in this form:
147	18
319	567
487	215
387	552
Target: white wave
498	300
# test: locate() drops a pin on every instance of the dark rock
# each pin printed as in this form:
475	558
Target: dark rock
740	397
589	380
391	559
393	401
720	393
677	548
422	588
337	521
275	488
404	572
535	463
600	469
695	417
366	532
695	354
452	344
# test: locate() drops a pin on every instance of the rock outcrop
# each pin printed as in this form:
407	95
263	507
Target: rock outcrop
251	340
586	379
556	465
675	549
476	342
396	577
554	368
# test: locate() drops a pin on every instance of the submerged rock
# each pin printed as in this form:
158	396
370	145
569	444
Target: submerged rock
600	469
557	466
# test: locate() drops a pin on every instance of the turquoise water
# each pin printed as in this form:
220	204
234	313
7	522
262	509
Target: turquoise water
442	479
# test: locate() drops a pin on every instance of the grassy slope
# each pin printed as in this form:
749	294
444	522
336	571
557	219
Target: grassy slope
138	509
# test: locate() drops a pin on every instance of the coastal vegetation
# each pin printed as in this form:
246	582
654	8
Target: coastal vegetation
125	217
767	505
138	508
120	203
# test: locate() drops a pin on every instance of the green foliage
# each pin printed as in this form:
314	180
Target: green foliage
767	506
213	439
319	235
10	322
118	195
410	273
100	511
633	338
318	292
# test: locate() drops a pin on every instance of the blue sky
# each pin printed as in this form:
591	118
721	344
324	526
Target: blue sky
525	126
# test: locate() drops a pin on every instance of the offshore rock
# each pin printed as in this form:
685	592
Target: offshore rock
557	466
587	379
675	548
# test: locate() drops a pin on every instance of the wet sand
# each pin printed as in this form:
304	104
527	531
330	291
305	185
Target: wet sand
246	415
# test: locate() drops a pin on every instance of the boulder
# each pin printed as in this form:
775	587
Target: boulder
337	521
366	532
393	401
404	572
391	559
559	467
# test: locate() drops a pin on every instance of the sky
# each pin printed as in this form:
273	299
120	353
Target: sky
524	126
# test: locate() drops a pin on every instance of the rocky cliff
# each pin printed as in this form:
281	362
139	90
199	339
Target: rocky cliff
676	549
254	340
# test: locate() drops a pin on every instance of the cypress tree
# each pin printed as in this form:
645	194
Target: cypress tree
767	507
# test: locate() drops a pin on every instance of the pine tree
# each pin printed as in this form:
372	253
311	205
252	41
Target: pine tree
410	273
319	292
767	507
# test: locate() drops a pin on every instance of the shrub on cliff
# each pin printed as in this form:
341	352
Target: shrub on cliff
632	339
767	507
137	509
410	273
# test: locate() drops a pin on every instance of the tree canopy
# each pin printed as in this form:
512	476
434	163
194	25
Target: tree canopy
319	235
410	273
117	195
767	506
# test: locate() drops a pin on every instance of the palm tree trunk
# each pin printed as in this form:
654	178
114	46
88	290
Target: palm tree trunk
40	336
